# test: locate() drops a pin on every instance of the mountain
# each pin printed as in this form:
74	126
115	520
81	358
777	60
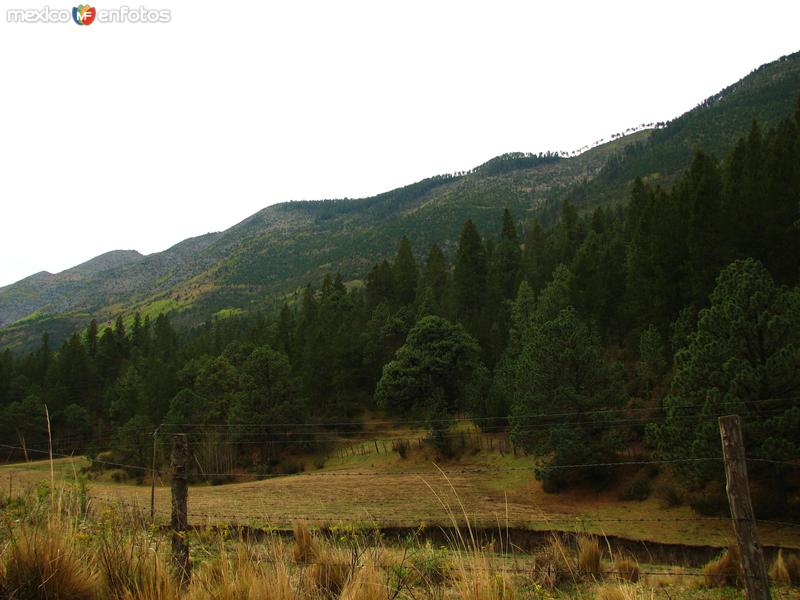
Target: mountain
281	248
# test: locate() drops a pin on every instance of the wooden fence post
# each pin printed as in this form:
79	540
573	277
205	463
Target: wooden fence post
744	522
153	477
180	518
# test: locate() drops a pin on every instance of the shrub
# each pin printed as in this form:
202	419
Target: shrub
431	565
402	447
710	501
289	466
119	476
669	495
638	489
220	479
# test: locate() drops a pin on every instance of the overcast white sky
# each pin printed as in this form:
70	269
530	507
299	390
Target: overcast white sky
138	136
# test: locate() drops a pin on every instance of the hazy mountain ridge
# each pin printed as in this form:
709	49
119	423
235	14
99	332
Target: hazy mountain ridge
287	245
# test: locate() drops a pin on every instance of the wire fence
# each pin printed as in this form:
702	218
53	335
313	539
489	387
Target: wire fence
345	435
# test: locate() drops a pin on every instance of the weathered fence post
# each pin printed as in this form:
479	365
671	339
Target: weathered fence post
153	477
744	522
180	519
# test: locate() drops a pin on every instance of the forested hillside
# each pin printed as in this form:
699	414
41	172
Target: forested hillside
274	253
632	325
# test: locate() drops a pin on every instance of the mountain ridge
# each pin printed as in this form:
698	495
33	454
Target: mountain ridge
283	246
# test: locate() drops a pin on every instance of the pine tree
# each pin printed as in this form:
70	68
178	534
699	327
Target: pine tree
435	280
406	274
120	336
507	257
380	285
536	264
91	338
469	279
742	359
561	371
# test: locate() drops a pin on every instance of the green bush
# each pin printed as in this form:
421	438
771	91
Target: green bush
639	489
669	495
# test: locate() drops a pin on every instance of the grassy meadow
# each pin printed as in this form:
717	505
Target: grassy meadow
356	526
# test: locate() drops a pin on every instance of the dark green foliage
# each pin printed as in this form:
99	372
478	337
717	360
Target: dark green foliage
434	286
516	160
406	275
652	364
638	489
506	259
132	445
269	392
437	371
547	317
469	280
560	370
536	259
742	359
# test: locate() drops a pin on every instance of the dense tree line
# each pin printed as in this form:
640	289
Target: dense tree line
680	306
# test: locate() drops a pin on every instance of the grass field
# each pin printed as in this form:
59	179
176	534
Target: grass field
108	549
387	490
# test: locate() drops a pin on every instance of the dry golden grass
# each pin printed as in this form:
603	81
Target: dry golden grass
478	578
723	571
340	492
369	583
626	569
328	575
120	558
590	557
785	570
623	592
305	549
47	562
130	569
554	563
674	579
242	577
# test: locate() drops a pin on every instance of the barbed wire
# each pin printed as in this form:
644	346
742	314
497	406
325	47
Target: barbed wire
422	422
464	471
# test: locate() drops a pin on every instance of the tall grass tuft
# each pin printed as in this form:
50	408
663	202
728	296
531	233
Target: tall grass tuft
554	563
725	570
786	570
47	562
241	577
626	569
130	568
368	583
478	579
590	557
330	572
305	549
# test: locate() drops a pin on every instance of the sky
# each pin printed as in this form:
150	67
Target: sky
139	135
